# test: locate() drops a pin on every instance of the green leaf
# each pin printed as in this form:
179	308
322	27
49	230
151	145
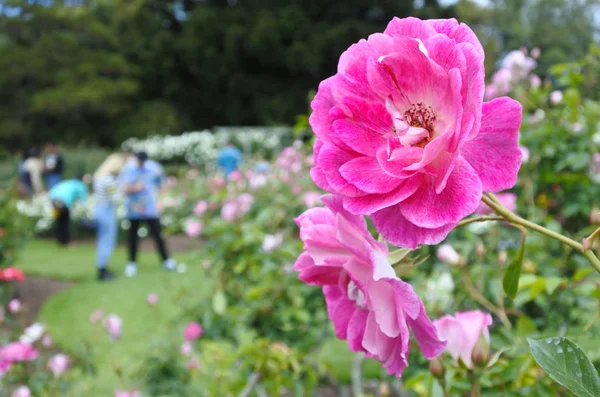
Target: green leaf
219	302
537	288
513	272
567	364
525	326
398	255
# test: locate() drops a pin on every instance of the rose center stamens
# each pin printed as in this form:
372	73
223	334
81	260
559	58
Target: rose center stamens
421	116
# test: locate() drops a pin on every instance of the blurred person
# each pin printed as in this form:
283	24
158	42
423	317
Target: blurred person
64	195
106	193
53	165
33	168
23	180
229	158
154	166
140	184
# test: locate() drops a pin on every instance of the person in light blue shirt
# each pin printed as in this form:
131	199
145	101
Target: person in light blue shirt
229	159
141	181
64	195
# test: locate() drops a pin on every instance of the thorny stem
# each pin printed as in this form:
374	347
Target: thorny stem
478	296
593	236
514	219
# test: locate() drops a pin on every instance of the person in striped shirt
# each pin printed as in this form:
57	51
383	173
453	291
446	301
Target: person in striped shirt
106	194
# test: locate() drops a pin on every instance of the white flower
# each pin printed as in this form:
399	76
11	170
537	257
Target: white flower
272	242
448	255
32	333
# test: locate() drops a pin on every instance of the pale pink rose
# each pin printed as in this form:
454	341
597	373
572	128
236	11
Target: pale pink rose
152	299
491	92
509	200
96	316
525	153
462	332
535	81
448	255
535	52
312	199
288	157
404	136
58	364
47	341
124	393
310	160
216	183
271	242
229	212
556	97
192	364
258	181
21	391
186	348
502	79
192	331
17	351
4	367
193	228
296	189
14	306
369	305
200	208
245	201
114	326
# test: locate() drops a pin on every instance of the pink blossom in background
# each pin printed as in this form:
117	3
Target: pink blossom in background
96	316
216	183
59	364
462	332
14	306
200	208
369	305
186	348
403	134
448	255
502	79
491	92
47	341
257	181
114	326
535	52
192	331
556	97
171	181
284	177
537	116
132	393
234	176
4	367
152	299
229	212
509	200
310	160
192	364
271	242
21	391
535	81
296	189
193	228
312	199
17	351
245	201
288	157
213	205
519	65
524	153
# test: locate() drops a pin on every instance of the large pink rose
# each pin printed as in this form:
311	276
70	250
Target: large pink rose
369	305
403	133
462	332
17	351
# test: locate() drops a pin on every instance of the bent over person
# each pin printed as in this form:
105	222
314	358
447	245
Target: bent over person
140	185
64	195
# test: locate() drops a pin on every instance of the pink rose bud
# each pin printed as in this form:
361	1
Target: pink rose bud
186	348
556	97
114	325
192	331
448	255
47	341
152	299
192	364
96	316
481	352
436	367
59	364
14	306
462	332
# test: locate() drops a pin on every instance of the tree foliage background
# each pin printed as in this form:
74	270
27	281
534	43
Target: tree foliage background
97	71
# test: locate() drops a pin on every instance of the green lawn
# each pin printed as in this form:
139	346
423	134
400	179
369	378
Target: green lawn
67	313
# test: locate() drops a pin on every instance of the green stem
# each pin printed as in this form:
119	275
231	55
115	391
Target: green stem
465	222
513	218
475	386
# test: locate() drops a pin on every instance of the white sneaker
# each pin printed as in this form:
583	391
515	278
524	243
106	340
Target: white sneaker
131	270
170	264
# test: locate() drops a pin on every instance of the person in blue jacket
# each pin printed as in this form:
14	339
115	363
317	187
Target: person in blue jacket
141	182
64	195
229	159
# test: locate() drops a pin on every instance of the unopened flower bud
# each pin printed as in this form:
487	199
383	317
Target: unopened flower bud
595	215
436	367
587	244
384	389
502	257
481	352
480	249
448	255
